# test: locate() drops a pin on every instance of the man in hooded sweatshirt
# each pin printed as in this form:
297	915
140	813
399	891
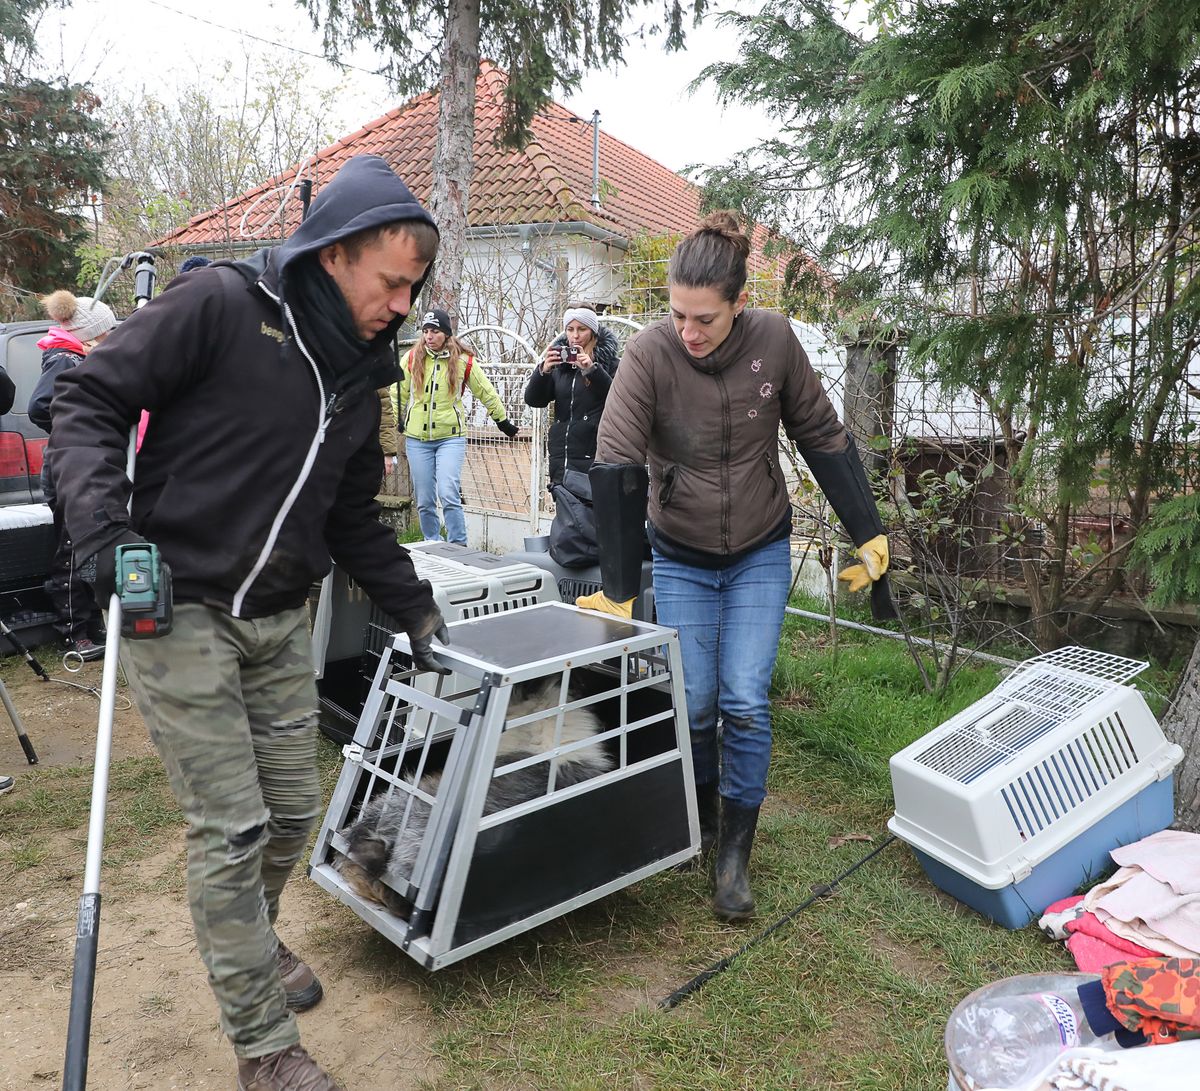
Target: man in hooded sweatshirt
260	463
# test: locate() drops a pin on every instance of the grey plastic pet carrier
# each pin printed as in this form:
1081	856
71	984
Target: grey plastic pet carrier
350	632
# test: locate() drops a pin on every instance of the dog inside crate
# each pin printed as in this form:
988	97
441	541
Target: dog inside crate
385	839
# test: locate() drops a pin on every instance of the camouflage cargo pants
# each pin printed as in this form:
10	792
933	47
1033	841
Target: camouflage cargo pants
231	705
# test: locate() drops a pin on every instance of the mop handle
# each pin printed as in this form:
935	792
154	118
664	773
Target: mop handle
87	923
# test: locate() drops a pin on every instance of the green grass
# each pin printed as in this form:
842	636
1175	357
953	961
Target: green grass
852	995
53	805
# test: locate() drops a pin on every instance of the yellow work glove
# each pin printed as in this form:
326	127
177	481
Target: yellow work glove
874	557
602	604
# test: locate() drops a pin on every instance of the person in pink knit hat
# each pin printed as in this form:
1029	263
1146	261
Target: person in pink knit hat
80	323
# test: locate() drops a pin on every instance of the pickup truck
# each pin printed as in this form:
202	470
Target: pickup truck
26	526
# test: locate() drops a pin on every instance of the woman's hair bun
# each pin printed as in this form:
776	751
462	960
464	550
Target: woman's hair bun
725	223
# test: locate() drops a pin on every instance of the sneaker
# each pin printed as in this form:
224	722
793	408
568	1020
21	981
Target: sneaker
299	982
6	784
290	1069
87	650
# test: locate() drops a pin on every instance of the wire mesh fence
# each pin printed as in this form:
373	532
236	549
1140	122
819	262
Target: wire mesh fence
944	450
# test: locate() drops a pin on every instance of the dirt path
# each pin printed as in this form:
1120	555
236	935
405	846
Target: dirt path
61	719
155	1021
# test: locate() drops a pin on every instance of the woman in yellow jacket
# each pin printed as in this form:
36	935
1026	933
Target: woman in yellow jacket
434	374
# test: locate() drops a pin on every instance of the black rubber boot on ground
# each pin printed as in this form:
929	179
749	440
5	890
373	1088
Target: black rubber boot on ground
732	900
708	804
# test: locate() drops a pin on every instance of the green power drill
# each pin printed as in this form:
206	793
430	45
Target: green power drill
143	583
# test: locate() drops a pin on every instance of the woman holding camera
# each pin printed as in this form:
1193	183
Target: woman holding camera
575	373
701	397
434	375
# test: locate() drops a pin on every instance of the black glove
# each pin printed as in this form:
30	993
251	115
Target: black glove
422	647
100	569
507	427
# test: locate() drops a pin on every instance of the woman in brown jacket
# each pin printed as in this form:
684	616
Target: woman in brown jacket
700	396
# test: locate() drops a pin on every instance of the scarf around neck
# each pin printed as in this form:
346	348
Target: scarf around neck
324	320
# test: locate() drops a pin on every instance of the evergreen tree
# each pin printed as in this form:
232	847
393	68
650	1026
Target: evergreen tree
539	45
50	160
1013	189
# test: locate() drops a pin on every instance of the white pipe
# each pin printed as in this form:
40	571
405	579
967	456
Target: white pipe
875	631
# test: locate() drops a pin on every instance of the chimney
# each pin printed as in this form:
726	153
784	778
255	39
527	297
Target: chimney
595	159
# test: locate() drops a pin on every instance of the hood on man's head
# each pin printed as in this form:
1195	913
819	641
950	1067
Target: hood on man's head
365	193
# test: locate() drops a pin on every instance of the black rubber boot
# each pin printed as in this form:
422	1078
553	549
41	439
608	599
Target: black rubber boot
732	900
708	804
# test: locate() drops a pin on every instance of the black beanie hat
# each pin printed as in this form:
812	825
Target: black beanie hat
438	319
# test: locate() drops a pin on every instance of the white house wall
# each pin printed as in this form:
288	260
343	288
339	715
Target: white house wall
524	285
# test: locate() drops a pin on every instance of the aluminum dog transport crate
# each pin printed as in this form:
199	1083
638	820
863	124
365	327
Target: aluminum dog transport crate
1018	800
482	873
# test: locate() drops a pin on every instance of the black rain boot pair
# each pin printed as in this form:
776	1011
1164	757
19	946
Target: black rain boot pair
732	900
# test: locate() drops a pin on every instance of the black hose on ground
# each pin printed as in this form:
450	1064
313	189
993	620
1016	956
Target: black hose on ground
702	978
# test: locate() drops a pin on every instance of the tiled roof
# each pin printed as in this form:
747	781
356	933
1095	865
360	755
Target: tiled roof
548	181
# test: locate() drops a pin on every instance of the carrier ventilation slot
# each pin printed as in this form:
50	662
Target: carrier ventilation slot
971	749
501	607
1067	778
1057	693
570	589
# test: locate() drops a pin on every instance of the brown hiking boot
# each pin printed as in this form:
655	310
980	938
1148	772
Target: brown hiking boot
290	1069
299	982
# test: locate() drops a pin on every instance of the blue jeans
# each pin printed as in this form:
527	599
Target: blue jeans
728	621
436	467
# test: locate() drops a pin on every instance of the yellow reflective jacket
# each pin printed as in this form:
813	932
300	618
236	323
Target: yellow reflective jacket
436	411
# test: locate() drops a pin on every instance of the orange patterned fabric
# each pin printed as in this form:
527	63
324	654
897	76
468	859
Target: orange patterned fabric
1160	997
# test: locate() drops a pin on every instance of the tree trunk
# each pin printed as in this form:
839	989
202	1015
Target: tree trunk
870	400
1179	724
454	159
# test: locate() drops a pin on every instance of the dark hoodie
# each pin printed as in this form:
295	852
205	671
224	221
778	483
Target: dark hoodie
261	460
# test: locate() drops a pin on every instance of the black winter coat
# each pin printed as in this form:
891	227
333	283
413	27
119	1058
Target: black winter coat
578	403
54	363
258	465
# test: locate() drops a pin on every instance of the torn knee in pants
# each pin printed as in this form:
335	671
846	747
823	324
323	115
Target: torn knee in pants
298	723
245	841
285	831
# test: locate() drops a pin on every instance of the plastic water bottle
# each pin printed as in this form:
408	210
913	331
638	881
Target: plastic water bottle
1005	1041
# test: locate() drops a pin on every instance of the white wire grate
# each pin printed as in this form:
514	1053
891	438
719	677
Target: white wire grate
1110	668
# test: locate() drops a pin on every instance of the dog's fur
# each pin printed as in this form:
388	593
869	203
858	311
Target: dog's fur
381	842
